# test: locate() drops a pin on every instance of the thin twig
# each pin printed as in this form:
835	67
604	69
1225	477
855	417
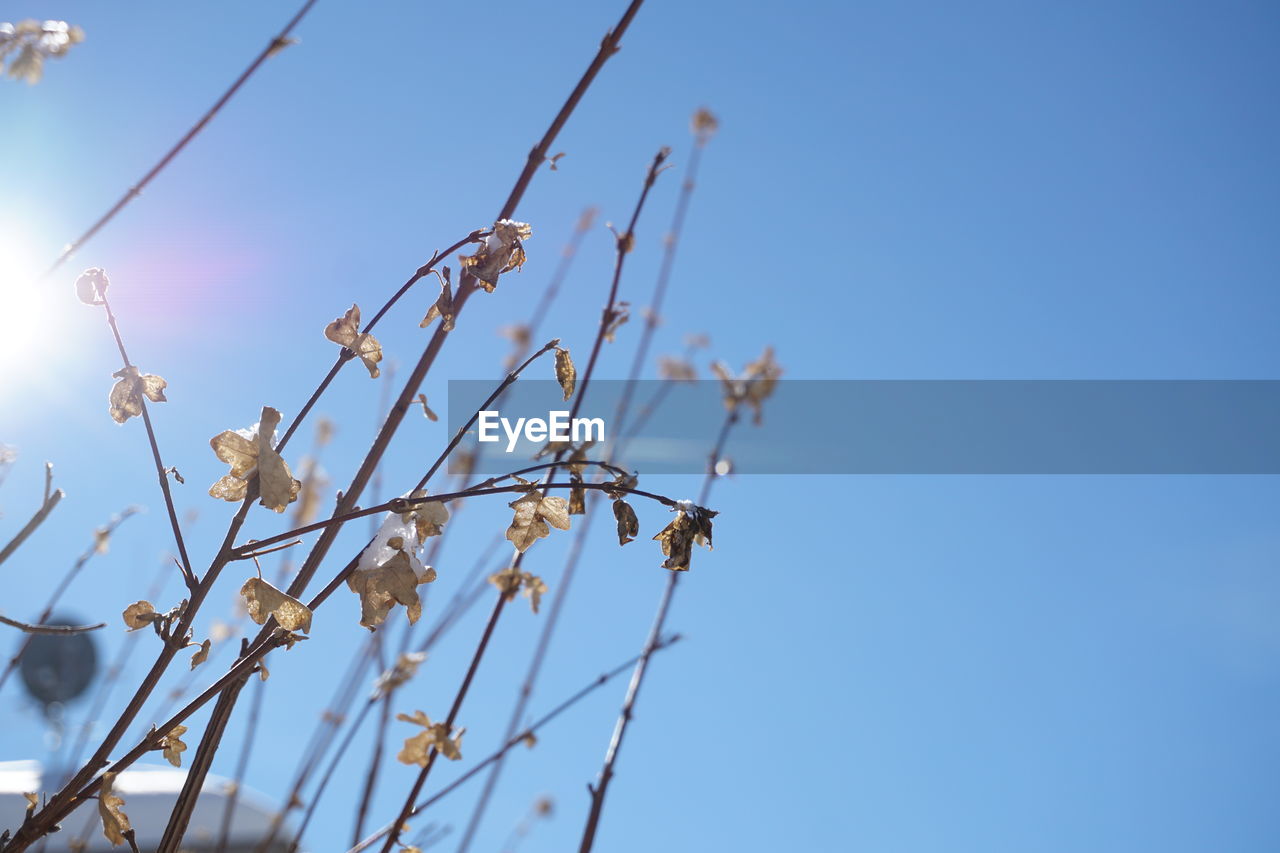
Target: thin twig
51	500
161	472
600	789
281	40
513	742
64	584
56	630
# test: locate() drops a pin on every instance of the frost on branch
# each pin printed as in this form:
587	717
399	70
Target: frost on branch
126	395
417	749
501	251
91	286
346	331
252	451
389	571
692	525
34	42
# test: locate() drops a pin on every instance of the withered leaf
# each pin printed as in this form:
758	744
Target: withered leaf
533	513
426	410
256	452
501	251
91	286
704	124
140	614
406	667
202	654
101	540
577	496
33	800
427	518
126	395
346	331
692	525
442	307
173	746
382	587
566	374
417	749
115	823
511	580
263	672
628	524
620	314
265	600
753	387
534	589
529	739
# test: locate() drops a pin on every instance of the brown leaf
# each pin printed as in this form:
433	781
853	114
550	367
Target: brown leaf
381	588
244	454
442	307
426	410
566	374
140	614
500	251
427	518
533	513
406	667
173	746
33	800
265	600
417	749
346	331
577	496
753	387
115	823
617	317
628	524
202	654
126	395
534	589
704	124
692	525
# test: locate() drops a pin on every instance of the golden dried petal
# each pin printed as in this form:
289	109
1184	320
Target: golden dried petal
265	600
526	528
417	749
346	331
202	654
114	821
173	745
556	511
140	614
237	451
382	587
275	481
566	374
229	488
125	400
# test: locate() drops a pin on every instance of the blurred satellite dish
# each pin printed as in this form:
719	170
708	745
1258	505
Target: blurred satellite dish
58	668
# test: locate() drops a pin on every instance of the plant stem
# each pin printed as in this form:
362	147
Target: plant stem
281	40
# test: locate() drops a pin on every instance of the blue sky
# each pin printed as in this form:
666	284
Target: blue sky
904	190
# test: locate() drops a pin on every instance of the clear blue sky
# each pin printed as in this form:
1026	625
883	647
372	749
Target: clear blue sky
898	190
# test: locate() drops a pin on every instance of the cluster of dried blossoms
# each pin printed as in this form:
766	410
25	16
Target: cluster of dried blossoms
389	569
